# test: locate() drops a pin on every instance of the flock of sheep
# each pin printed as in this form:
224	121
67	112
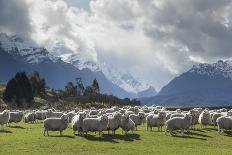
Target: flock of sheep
127	118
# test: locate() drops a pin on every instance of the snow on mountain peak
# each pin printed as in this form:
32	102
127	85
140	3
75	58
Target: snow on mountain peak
25	48
219	68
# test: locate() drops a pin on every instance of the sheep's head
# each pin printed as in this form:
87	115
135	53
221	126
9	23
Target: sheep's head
104	118
188	117
82	116
162	114
64	118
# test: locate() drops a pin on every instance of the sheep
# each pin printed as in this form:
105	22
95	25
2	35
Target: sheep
195	116
77	123
215	117
16	117
4	118
176	115
52	113
30	117
224	123
95	124
156	120
204	118
56	124
178	123
71	114
114	122
127	124
93	112
40	115
137	119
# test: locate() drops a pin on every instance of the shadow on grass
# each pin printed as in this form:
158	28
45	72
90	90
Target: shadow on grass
228	133
17	127
190	137
112	138
64	136
198	134
5	131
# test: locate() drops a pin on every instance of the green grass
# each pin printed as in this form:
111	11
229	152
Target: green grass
29	139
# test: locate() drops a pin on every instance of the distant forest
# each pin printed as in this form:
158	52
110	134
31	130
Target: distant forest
30	91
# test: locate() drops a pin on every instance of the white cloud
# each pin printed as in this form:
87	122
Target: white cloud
154	40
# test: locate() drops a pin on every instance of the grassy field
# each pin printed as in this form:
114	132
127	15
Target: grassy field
28	139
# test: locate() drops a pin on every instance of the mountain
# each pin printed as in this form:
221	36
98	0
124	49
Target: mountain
124	80
203	85
17	54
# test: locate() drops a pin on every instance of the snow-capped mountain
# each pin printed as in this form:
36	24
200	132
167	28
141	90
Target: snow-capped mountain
124	80
27	50
203	85
17	54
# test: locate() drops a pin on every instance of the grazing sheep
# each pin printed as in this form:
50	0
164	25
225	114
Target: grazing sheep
178	123
127	124
95	124
52	113
204	118
16	117
4	117
77	123
114	122
137	119
215	117
224	123
30	117
56	124
156	120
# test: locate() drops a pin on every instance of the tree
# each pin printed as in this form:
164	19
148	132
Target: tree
19	91
38	84
70	89
95	86
80	86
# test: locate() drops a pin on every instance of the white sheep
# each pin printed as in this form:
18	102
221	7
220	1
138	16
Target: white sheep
16	116
195	116
95	124
71	114
56	124
156	120
77	123
30	117
114	122
178	123
51	114
127	124
40	115
137	118
224	123
204	118
4	117
215	117
176	115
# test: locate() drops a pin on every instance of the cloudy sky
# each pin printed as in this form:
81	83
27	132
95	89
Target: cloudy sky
154	40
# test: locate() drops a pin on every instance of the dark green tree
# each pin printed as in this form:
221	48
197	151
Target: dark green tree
19	91
38	84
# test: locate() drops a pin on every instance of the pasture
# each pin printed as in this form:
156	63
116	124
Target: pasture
24	138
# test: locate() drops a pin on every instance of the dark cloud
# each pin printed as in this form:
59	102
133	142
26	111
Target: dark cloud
14	17
199	25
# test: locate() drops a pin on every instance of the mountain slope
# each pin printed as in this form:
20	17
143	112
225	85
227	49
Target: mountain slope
124	80
202	85
17	54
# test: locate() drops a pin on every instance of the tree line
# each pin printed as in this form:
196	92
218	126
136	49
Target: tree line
21	90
